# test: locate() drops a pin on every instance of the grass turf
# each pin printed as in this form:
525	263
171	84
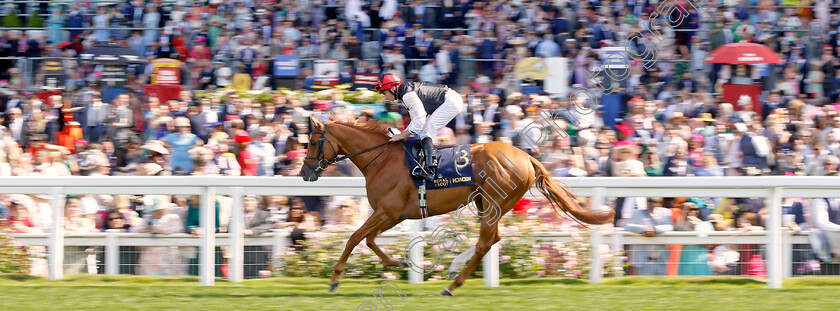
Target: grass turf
83	292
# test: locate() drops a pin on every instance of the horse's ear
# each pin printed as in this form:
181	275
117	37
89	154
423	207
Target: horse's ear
318	124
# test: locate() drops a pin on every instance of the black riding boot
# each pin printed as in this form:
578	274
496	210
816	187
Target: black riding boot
431	159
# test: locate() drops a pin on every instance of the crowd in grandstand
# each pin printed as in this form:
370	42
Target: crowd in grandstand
667	120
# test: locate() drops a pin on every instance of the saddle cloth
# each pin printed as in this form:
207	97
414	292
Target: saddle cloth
454	165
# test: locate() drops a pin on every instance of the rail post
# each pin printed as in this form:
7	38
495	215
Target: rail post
207	252
596	237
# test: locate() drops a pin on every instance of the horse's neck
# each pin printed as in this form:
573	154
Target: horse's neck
355	140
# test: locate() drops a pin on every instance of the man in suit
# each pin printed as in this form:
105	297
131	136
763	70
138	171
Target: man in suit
346	75
121	119
773	101
426	47
256	223
96	113
490	114
722	33
12	101
205	115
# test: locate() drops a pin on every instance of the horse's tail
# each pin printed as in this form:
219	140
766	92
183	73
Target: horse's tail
561	198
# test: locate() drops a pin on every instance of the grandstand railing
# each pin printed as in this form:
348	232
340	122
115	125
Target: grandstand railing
773	188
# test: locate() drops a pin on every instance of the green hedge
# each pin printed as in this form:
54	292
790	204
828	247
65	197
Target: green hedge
35	21
12	19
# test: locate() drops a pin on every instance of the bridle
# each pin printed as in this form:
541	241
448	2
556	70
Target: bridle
323	163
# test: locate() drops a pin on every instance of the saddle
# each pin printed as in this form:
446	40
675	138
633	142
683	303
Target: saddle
454	165
415	150
454	168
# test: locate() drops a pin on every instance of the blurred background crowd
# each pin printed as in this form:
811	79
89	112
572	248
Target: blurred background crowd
667	120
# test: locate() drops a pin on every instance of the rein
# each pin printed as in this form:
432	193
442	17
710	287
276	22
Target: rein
323	163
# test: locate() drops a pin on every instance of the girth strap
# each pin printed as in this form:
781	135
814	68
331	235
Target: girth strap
424	209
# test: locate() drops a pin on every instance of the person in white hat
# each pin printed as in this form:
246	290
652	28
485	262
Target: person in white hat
156	161
158	219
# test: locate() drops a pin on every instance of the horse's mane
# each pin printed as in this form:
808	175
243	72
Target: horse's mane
371	125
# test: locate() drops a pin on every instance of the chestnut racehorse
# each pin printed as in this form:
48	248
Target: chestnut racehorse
393	195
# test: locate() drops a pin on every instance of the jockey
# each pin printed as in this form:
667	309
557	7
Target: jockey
430	106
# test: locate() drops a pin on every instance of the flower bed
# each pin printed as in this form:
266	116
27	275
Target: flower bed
522	255
359	96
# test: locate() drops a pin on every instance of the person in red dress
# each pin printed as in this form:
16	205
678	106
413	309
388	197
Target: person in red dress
246	159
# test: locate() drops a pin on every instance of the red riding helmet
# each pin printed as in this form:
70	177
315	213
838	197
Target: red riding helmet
386	82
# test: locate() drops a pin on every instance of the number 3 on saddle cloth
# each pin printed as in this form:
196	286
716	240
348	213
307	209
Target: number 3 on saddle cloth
454	165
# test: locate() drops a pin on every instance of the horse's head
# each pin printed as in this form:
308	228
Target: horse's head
320	152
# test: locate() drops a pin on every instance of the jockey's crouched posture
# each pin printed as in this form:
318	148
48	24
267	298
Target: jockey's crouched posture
430	107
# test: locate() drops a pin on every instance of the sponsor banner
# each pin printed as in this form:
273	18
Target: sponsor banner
166	71
365	80
557	79
53	73
326	71
113	75
286	65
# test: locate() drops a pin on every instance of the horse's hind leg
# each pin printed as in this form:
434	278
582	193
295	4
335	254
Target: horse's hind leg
371	242
369	227
489	235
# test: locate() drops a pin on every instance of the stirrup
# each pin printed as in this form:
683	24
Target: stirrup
421	172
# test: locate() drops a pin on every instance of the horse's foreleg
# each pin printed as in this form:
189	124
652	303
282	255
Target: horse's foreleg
366	229
371	242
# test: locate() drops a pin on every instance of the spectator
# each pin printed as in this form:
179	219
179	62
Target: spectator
246	160
710	166
121	120
548	47
115	222
825	223
181	142
295	224
256	223
429	73
192	220
160	260
95	114
74	220
19	219
626	166
693	258
653	220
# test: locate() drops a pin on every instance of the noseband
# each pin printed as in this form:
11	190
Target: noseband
321	160
323	163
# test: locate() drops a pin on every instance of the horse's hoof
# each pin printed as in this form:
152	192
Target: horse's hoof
452	276
446	292
402	263
333	286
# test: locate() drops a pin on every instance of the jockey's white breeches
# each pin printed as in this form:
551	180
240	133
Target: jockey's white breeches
452	105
